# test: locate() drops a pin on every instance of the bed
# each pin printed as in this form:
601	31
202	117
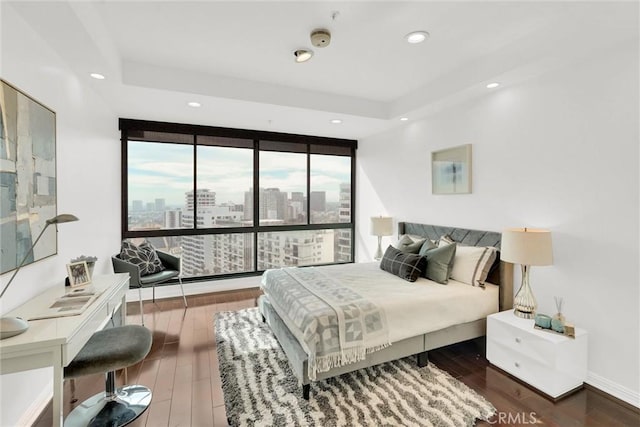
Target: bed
456	312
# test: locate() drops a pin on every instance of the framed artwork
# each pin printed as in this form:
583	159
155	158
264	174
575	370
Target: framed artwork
78	274
451	170
27	177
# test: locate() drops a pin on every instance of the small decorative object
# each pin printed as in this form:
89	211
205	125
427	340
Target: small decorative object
557	321
451	170
381	226
90	260
78	274
527	247
543	321
569	330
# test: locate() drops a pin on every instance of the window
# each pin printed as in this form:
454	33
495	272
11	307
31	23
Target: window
190	190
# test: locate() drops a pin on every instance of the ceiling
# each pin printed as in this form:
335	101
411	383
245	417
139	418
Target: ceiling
236	58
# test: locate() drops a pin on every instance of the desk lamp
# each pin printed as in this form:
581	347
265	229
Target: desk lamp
11	326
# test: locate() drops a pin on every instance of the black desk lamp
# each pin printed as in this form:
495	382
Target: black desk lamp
11	326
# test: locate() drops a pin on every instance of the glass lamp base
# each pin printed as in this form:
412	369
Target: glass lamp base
524	303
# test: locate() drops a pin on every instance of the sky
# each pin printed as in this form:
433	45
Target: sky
165	171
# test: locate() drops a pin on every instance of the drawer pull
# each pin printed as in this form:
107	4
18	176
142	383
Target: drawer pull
517	364
518	340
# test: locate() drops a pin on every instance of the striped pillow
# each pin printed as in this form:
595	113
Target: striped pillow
404	265
471	264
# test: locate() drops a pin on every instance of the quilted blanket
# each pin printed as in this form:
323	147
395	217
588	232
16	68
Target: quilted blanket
334	324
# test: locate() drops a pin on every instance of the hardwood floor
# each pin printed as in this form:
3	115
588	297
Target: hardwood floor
182	370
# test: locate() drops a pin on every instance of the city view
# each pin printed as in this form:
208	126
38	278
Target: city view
204	255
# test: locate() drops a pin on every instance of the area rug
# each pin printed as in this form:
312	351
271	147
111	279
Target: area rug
261	390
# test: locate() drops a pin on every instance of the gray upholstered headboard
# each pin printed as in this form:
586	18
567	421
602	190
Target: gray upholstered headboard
501	273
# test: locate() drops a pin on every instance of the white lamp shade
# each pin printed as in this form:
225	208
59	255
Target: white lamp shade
381	226
526	246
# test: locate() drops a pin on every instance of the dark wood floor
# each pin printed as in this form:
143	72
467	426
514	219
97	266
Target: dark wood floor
182	370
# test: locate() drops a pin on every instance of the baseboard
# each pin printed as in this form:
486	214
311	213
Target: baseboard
37	407
614	389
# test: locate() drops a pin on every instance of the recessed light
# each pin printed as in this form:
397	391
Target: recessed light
492	85
336	121
303	55
404	119
417	37
97	76
193	104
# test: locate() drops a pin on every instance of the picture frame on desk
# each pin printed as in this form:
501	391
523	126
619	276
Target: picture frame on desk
78	274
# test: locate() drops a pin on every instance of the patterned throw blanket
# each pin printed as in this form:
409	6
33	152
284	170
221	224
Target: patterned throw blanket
335	325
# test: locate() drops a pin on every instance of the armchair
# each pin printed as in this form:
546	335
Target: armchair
172	269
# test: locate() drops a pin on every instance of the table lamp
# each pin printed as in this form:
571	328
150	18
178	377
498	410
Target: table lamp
527	247
381	226
11	326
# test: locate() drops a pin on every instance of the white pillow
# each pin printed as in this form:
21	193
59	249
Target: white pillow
471	264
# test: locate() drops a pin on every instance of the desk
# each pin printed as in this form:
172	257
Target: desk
55	342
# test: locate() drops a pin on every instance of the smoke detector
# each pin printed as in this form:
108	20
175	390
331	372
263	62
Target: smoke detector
320	37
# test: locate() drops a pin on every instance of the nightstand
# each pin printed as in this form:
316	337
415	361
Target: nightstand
552	363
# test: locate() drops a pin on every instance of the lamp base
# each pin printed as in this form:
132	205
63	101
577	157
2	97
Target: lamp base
378	255
524	303
12	326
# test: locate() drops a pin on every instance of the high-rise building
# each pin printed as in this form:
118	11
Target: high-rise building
343	242
160	205
136	206
295	248
318	201
151	207
173	219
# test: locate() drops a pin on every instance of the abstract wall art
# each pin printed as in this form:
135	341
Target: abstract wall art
451	170
27	177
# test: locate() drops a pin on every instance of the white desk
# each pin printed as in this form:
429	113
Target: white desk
55	342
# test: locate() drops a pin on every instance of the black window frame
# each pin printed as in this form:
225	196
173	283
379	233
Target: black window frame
311	144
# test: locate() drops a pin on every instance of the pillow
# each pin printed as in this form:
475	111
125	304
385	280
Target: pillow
427	245
410	244
438	263
404	265
144	256
471	264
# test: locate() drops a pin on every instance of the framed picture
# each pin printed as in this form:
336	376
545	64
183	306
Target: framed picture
78	274
451	170
27	177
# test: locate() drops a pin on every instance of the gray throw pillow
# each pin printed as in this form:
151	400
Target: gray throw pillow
143	255
409	244
404	265
427	245
439	263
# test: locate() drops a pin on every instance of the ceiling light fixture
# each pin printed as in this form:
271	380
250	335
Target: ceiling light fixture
492	85
194	104
404	119
417	37
303	55
97	76
336	121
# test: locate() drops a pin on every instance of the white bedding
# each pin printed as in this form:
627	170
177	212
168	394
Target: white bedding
419	307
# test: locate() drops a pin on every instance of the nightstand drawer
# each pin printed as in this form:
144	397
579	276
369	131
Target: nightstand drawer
551	381
521	341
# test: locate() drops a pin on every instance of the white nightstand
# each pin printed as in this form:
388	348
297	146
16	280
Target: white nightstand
554	364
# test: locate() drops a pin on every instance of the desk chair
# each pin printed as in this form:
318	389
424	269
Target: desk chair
172	269
105	352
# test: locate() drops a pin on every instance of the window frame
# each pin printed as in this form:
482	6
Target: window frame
269	139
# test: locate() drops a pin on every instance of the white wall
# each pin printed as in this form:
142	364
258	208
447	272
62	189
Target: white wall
558	152
88	168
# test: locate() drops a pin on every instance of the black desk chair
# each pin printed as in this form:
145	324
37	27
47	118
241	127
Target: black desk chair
172	270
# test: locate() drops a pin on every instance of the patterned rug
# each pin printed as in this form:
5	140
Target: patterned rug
261	390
